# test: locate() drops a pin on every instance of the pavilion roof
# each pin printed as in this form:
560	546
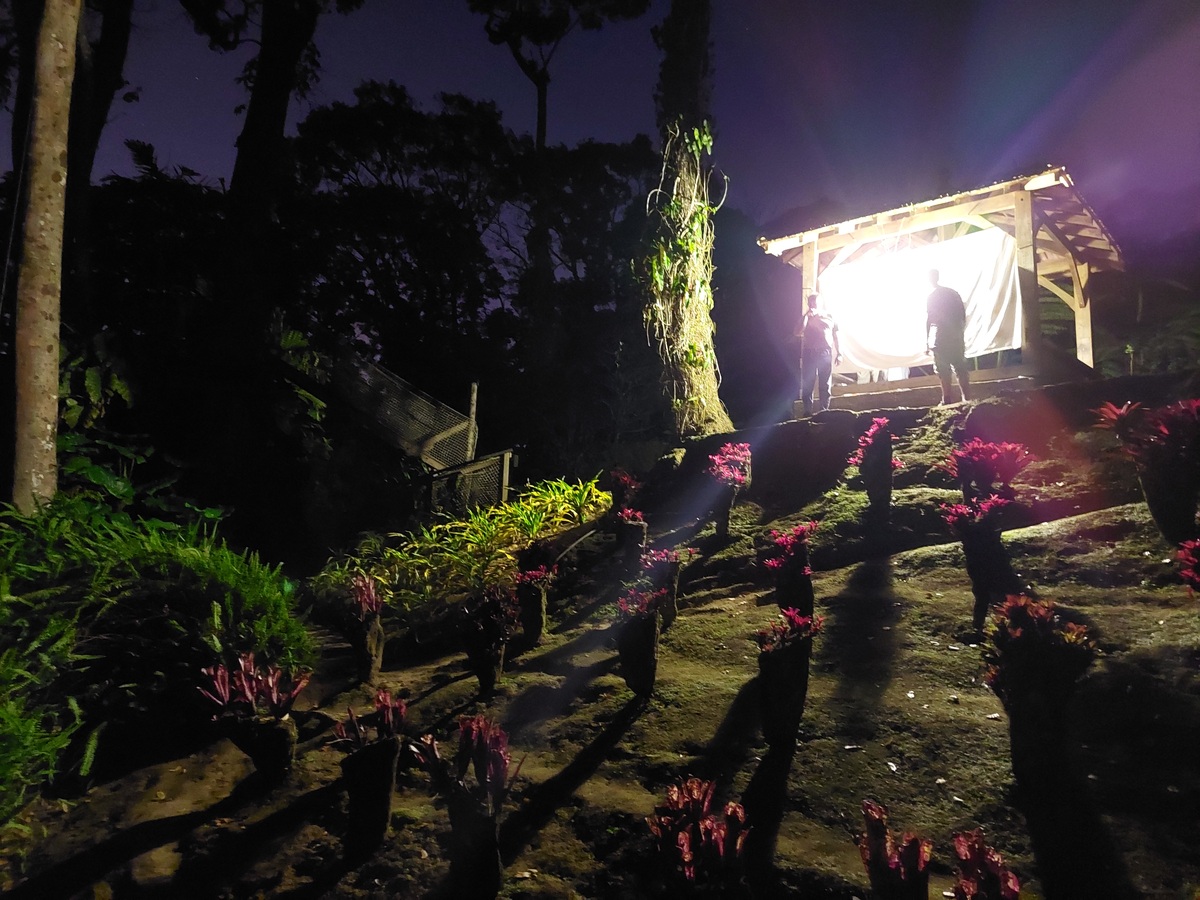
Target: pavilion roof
1066	230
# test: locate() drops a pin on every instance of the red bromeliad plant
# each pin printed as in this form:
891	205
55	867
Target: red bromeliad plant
366	597
875	440
1168	434
1127	422
790	563
1164	444
365	631
981	873
784	651
250	690
631	515
491	618
792	629
875	464
625	487
1035	651
533	586
898	870
637	632
636	603
976	525
701	846
474	803
487	624
387	721
730	465
790	544
542	576
483	751
984	467
1189	568
965	519
653	560
663	568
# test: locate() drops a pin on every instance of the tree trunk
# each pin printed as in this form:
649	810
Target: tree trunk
99	74
246	455
39	282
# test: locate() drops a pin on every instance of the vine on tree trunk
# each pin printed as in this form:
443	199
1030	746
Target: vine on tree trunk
678	273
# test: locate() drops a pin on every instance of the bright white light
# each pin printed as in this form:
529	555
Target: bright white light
879	304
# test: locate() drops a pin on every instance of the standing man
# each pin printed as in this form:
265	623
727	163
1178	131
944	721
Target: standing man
819	353
946	317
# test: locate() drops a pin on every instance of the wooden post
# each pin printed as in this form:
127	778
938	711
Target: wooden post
1080	273
1027	284
472	429
504	467
811	258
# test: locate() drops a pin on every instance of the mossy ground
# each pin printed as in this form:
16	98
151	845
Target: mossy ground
897	711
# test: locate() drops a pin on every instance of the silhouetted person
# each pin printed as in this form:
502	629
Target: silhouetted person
819	353
946	317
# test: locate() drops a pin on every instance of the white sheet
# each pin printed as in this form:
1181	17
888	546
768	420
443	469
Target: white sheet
879	304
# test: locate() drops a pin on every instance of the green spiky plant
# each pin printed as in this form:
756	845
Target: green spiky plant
460	557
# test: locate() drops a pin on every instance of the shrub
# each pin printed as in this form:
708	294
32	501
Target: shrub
151	602
462	556
34	731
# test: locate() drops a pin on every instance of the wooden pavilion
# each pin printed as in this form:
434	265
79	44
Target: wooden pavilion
1060	244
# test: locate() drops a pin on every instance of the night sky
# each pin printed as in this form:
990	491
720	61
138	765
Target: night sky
863	103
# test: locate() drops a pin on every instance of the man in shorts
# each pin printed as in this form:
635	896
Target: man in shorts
946	317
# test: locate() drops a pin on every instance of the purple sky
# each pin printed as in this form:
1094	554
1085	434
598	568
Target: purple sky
869	104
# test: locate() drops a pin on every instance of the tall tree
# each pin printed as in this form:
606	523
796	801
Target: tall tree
249	459
104	29
39	282
101	48
678	269
532	30
380	170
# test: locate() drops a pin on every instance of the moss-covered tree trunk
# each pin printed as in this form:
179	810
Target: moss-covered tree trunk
678	269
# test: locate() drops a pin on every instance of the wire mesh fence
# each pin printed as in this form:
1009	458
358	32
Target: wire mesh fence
481	482
407	418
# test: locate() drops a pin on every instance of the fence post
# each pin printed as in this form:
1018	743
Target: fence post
472	430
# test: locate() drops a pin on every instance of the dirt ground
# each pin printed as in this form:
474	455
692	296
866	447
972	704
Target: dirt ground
897	712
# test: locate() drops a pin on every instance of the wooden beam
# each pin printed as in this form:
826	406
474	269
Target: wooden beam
883	226
1058	292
